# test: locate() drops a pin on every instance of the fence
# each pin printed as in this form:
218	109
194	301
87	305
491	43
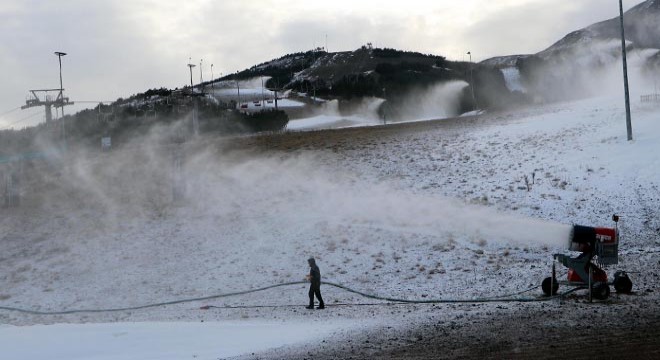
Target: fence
653	98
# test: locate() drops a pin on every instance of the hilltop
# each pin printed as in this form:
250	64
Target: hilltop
385	73
298	85
587	62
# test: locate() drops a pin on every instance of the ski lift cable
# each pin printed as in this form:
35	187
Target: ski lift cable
19	121
9	111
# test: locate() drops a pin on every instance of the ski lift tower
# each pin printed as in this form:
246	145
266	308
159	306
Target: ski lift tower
43	98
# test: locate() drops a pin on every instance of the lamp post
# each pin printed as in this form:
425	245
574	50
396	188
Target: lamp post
385	101
192	94
263	97
625	73
60	98
201	76
474	98
191	66
238	90
59	55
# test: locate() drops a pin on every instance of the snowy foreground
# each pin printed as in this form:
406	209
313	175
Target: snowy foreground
163	341
414	212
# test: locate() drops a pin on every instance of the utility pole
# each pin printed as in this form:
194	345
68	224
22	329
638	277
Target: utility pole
474	98
201	77
277	87
263	97
59	55
192	95
191	66
212	81
625	73
385	112
238	89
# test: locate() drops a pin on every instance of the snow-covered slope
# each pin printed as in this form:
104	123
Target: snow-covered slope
642	24
466	209
501	62
582	63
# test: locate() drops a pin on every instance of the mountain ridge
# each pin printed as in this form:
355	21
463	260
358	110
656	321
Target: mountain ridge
642	26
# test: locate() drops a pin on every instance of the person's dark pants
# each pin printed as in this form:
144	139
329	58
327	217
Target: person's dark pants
315	289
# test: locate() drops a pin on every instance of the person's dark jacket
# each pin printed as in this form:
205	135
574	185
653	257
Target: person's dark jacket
315	275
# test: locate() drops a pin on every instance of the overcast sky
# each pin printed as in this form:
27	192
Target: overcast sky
117	48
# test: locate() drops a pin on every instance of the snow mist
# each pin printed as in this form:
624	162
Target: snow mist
589	70
296	192
437	102
259	197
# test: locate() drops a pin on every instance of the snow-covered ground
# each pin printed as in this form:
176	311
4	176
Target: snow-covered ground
321	122
460	210
252	94
157	341
513	79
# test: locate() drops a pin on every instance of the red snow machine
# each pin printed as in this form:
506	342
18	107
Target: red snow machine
599	244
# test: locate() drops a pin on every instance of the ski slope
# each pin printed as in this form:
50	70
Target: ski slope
442	213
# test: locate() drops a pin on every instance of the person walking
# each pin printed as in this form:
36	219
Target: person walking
314	278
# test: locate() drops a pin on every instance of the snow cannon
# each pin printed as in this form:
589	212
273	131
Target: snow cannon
598	247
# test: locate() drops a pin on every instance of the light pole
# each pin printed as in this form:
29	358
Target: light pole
201	77
625	73
191	66
59	55
238	90
385	113
474	98
60	98
192	94
263	97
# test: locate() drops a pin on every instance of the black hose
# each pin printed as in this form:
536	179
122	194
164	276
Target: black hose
501	298
391	301
174	302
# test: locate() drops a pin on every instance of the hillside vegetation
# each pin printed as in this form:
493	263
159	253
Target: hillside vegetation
367	72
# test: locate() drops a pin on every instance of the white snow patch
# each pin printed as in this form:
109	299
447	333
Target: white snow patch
330	118
513	79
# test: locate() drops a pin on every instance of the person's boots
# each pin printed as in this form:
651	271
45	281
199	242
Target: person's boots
321	306
311	306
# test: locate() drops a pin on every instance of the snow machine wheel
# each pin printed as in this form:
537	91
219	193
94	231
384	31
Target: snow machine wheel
601	291
545	285
622	283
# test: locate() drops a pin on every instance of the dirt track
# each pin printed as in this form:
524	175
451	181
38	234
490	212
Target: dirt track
617	329
600	334
336	139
